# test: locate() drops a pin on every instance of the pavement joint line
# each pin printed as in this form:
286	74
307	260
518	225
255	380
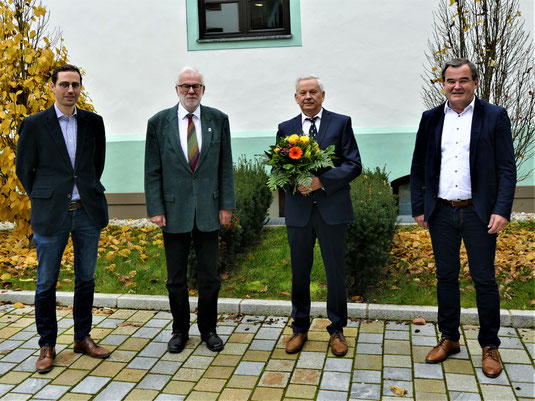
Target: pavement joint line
265	307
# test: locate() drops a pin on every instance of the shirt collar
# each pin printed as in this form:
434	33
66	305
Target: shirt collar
182	112
304	116
447	107
59	114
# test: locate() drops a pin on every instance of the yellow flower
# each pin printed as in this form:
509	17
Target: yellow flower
276	150
293	139
304	139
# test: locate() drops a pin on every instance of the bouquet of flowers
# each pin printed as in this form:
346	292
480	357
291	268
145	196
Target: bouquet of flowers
294	160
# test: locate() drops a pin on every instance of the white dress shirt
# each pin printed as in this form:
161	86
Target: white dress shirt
454	181
307	123
69	129
183	128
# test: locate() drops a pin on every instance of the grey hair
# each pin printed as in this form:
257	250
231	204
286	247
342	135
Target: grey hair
190	69
459	62
310	76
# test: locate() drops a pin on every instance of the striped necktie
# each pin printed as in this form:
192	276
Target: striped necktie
193	146
312	132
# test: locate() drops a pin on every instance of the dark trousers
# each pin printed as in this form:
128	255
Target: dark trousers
85	238
177	249
448	226
333	248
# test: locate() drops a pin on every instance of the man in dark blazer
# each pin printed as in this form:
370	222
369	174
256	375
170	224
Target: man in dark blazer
320	212
463	179
60	159
189	187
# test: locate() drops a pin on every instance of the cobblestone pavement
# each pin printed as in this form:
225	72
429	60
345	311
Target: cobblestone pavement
254	364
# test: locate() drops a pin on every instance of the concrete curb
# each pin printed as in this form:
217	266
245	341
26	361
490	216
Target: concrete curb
514	318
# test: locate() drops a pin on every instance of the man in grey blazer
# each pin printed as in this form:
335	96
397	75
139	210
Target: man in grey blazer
189	189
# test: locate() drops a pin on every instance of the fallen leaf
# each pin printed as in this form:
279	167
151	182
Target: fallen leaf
264	289
532	302
67	280
192	291
230	288
418	321
248	297
5	276
286	293
398	390
18	305
6	351
357	298
129	324
224	275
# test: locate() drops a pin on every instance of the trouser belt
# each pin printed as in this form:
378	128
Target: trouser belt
74	205
458	203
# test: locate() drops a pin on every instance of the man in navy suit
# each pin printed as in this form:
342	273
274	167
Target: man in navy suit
320	212
463	179
60	159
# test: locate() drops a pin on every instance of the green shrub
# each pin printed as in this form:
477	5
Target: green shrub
253	199
369	236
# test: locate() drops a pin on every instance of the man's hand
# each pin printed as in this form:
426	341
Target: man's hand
420	221
497	223
158	219
224	216
314	185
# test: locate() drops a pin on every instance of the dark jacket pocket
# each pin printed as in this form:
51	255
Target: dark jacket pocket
41	193
167	197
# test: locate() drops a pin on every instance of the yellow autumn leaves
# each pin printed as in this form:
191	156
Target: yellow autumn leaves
412	255
28	59
18	261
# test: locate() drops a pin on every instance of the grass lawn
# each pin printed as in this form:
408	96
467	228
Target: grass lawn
133	261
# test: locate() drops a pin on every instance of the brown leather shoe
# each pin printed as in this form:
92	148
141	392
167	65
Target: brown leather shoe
338	344
88	346
491	366
441	351
296	342
45	363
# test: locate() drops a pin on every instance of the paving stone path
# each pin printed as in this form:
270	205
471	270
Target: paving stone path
254	364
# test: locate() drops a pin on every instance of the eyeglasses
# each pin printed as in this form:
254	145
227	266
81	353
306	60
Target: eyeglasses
65	85
185	87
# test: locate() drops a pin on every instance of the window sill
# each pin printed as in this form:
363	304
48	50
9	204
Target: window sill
243	38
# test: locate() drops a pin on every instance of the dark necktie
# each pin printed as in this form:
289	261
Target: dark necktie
193	146
312	132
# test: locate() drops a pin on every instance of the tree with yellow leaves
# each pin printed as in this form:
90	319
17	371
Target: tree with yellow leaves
28	59
491	34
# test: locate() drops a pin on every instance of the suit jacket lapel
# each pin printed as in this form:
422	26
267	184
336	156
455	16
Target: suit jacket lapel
324	126
439	125
207	132
171	131
81	135
475	132
54	129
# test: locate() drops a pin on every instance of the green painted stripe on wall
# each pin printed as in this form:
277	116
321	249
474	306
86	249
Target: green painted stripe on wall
390	147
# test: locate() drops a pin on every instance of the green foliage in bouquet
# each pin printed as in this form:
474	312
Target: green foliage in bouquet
294	160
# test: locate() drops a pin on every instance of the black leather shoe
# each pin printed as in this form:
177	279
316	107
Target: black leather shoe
177	343
213	341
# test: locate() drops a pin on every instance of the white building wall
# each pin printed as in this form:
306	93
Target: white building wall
369	53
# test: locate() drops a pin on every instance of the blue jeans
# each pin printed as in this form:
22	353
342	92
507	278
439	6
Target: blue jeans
85	238
448	226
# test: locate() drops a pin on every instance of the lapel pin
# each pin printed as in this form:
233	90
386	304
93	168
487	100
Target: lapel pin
209	129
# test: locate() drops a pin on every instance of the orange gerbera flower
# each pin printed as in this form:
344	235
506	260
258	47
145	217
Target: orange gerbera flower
295	153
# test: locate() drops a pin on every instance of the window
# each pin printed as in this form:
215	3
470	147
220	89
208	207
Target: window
243	19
